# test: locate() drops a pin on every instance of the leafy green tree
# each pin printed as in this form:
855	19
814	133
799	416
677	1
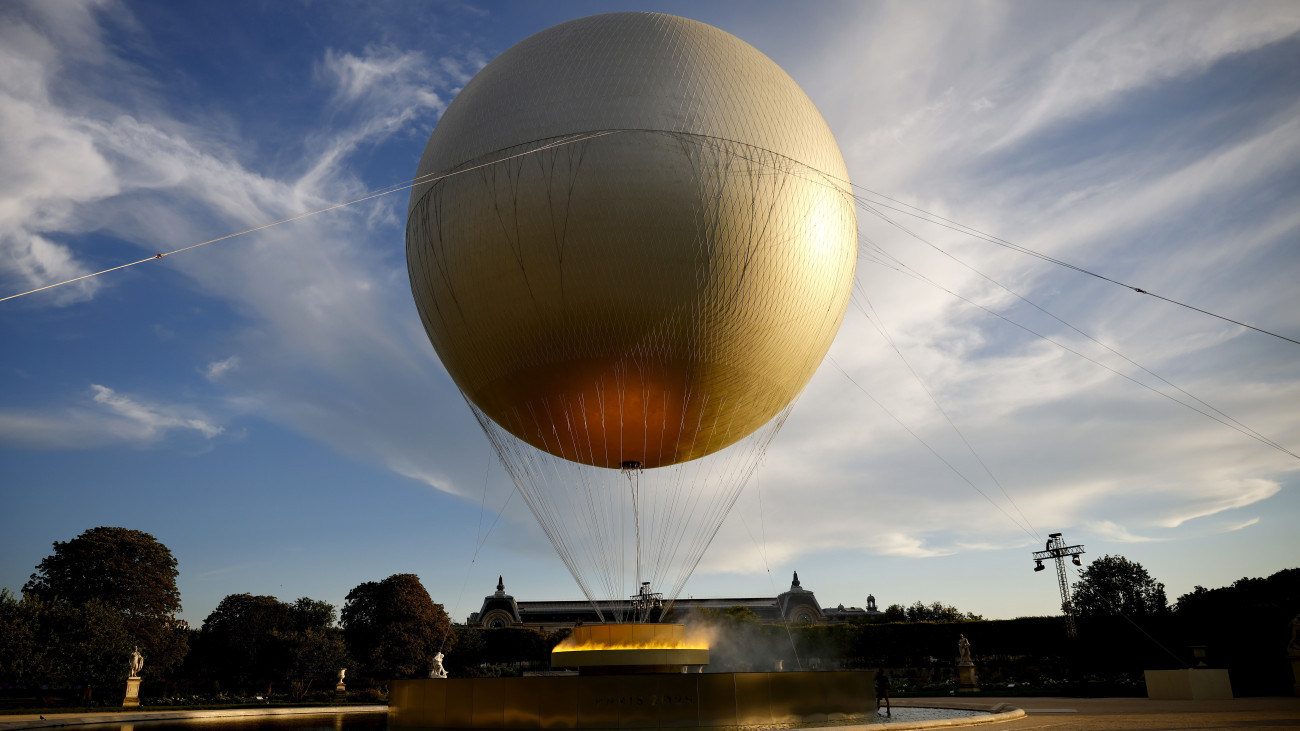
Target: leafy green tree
87	644
61	643
1115	585
932	612
1246	596
504	651
314	646
22	651
126	571
939	612
730	616
238	642
393	628
314	656
255	641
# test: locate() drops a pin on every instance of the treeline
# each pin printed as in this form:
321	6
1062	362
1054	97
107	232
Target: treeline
919	612
110	590
68	638
89	604
1125	627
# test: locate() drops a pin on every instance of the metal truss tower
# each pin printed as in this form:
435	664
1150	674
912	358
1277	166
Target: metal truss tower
1056	549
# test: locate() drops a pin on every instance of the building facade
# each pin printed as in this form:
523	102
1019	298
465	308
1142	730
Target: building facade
796	605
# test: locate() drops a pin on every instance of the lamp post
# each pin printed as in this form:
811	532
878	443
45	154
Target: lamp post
1056	549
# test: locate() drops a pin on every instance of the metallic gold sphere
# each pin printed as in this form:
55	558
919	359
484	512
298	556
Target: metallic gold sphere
636	241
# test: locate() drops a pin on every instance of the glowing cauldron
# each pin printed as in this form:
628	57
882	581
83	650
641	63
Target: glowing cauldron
624	649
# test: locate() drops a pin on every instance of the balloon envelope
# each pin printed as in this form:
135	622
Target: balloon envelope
638	241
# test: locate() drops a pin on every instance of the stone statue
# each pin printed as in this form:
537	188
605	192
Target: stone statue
966	682
438	670
342	672
137	662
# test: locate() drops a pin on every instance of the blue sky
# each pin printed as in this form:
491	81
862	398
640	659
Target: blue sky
270	408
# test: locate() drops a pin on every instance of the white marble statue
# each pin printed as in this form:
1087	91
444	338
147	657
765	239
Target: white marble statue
963	648
438	670
137	662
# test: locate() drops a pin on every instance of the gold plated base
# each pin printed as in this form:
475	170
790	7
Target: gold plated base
631	648
631	701
642	656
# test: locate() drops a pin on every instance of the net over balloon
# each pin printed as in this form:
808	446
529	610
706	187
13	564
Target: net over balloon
658	254
632	244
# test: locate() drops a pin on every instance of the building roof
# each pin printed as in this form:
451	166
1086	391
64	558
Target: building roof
796	604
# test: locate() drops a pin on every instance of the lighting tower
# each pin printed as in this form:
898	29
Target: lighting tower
1057	549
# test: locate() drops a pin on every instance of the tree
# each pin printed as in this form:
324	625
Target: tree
314	654
1246	597
22	656
933	612
61	643
1115	585
939	612
87	644
393	628
126	571
314	646
256	640
237	641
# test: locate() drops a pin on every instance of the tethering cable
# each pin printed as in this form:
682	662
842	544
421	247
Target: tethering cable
421	180
933	451
878	323
1226	420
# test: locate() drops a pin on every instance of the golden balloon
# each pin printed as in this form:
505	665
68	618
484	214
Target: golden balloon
637	240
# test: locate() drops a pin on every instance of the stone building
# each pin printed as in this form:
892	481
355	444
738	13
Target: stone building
796	605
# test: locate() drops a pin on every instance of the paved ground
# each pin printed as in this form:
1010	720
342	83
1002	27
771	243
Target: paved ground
1060	714
1139	714
11	723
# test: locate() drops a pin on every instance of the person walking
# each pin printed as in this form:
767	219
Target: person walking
882	692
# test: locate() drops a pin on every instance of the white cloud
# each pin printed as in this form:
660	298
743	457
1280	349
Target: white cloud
51	166
40	262
1240	525
108	418
148	422
945	110
394	89
1227	496
949	111
218	368
331	346
1143	45
1113	531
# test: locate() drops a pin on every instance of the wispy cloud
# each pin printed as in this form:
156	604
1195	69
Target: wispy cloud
1238	526
1231	495
330	346
1024	121
50	159
218	368
150	421
105	418
1113	531
1036	126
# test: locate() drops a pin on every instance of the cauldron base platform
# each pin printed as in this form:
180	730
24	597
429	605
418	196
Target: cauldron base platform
681	700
